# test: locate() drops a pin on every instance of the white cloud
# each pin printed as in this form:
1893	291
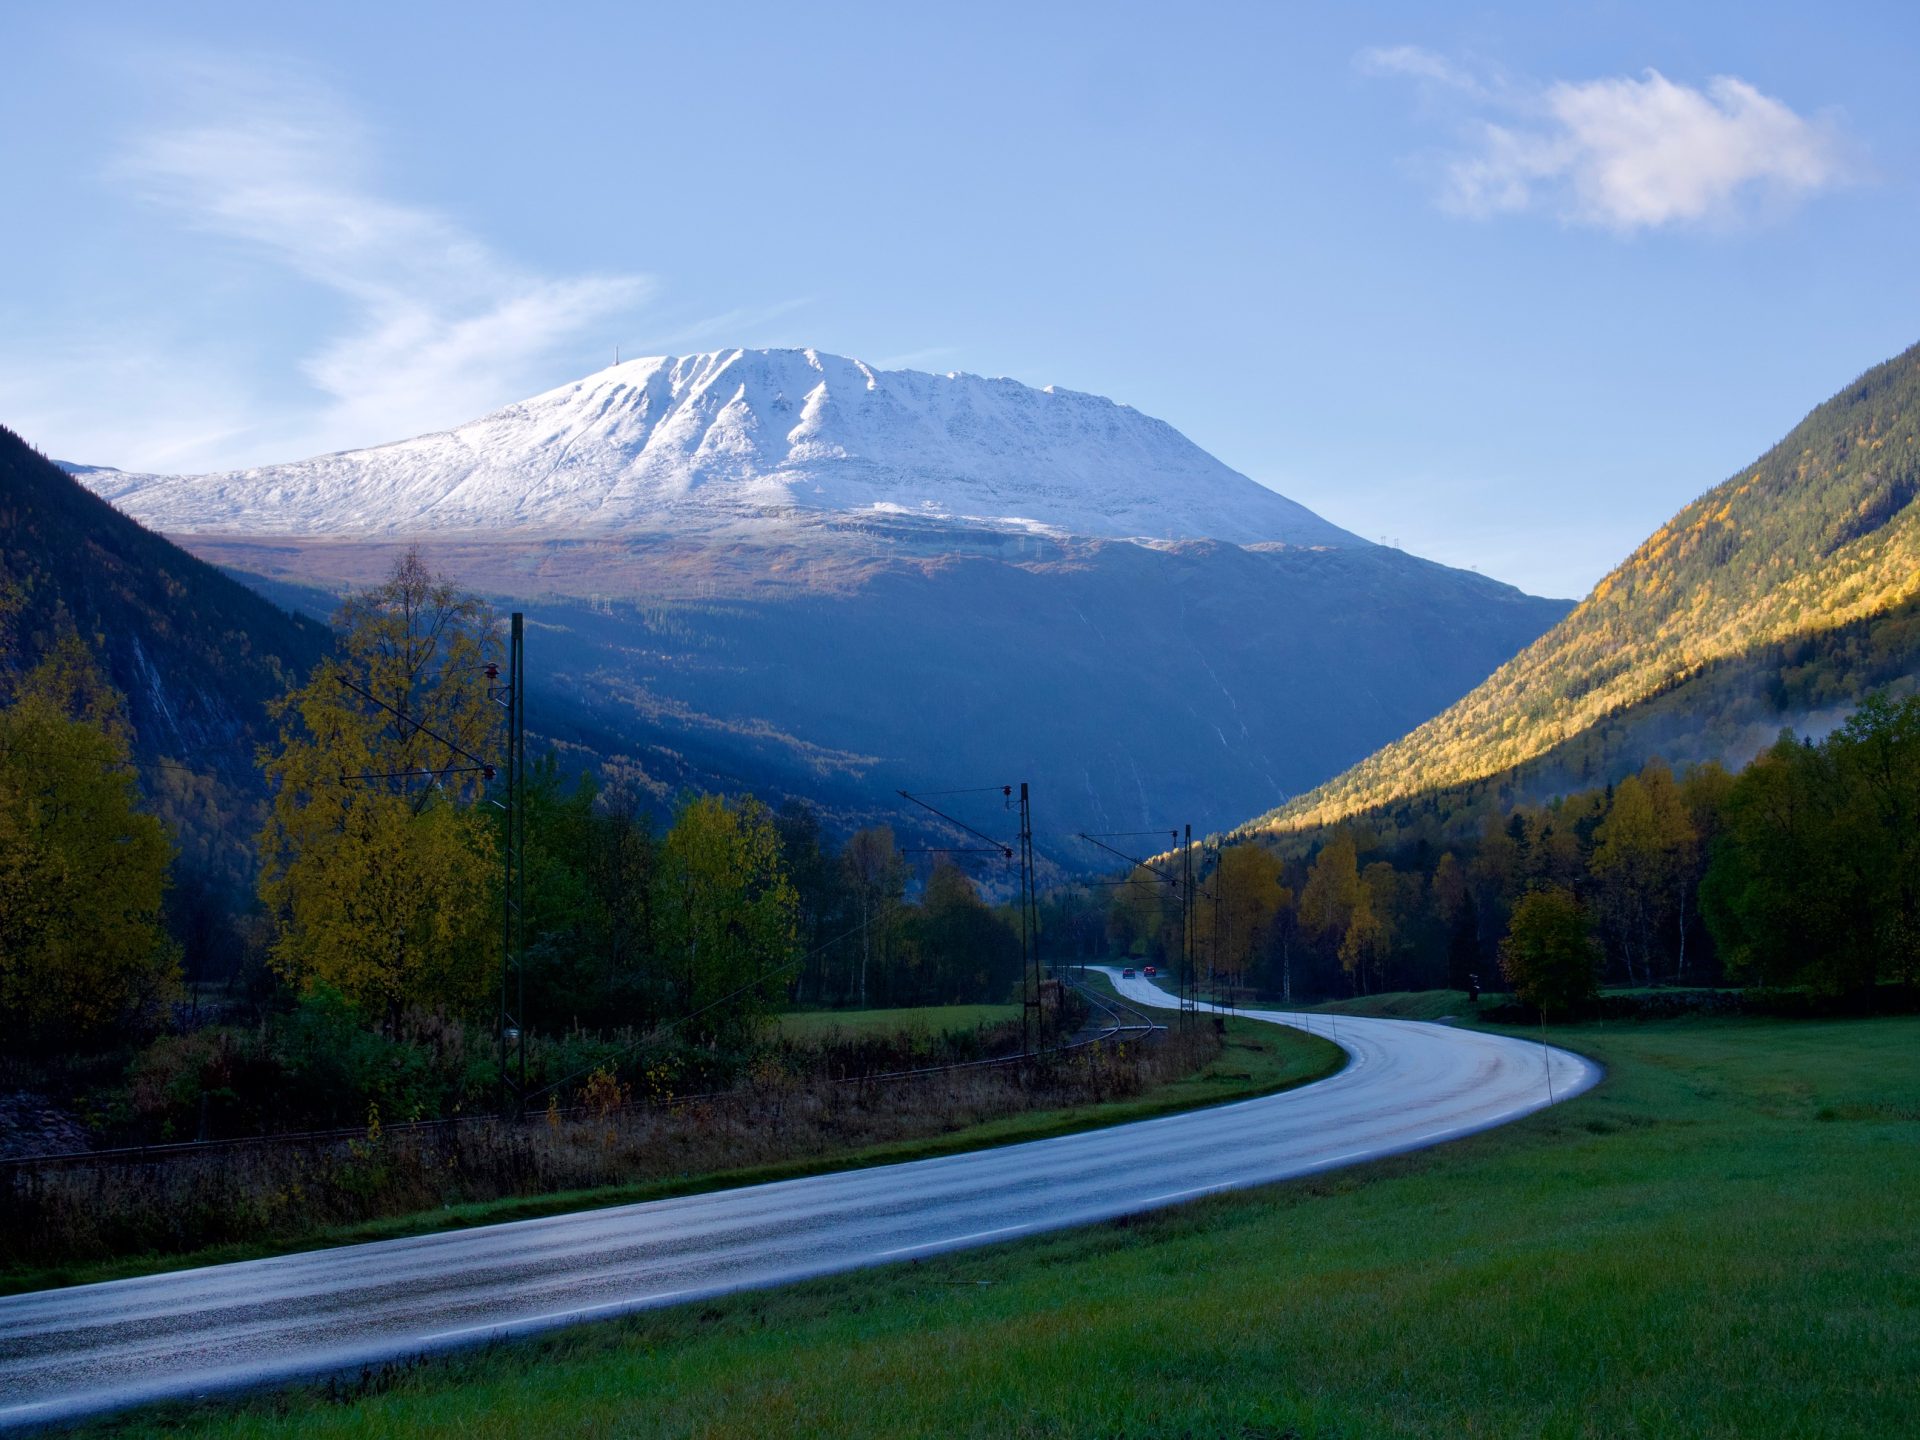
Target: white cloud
916	359
1625	153
1413	63
433	326
138	399
728	327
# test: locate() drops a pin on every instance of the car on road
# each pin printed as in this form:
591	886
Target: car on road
1127	974
1150	972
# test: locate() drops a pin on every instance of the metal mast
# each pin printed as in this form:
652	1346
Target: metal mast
513	856
1032	1018
1022	849
1190	990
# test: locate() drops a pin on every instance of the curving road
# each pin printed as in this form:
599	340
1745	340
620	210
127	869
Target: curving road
93	1348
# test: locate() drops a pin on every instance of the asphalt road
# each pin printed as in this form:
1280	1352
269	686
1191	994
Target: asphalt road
94	1348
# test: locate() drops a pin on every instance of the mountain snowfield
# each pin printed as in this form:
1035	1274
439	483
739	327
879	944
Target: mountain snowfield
698	442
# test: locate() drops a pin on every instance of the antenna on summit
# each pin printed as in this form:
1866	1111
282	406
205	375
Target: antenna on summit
616	354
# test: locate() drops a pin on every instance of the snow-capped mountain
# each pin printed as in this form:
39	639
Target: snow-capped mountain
789	573
668	445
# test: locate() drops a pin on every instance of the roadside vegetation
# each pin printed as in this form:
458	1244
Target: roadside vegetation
929	1021
103	1219
1722	1239
352	981
360	979
1719	1240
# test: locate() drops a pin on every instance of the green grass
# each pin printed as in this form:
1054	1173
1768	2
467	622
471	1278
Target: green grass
1256	1060
932	1019
1411	1005
1721	1240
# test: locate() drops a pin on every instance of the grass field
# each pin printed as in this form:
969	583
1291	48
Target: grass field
1412	1005
811	1024
1721	1240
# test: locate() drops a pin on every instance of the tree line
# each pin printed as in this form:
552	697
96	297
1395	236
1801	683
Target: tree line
1801	870
375	941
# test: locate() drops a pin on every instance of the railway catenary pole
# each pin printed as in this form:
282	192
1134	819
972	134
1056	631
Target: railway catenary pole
513	888
513	857
1190	989
1217	952
1032	1016
1031	967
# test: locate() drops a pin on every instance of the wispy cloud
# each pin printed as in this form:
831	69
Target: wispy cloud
143	397
916	359
437	325
423	323
1412	63
1622	153
729	327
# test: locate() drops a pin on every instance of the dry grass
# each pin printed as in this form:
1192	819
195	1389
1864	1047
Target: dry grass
50	1216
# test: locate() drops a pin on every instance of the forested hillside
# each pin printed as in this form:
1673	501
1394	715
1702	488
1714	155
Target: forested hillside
1786	589
195	654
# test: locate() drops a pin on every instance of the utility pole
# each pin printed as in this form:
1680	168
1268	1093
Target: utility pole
513	858
513	870
1190	990
1033	1017
1031	969
1216	953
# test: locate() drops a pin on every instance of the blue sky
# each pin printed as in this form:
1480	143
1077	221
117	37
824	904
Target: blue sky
1506	284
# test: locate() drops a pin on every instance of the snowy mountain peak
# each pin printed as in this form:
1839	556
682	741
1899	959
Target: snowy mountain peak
672	443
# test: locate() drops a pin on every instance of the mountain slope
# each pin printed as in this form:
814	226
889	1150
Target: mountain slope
737	436
196	653
1818	538
1135	686
787	572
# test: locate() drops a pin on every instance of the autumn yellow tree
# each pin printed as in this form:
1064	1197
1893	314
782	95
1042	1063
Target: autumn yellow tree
82	868
1246	882
1332	890
1641	854
1373	927
379	869
728	914
1140	911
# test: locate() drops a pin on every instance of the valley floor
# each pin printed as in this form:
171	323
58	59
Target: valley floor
1723	1239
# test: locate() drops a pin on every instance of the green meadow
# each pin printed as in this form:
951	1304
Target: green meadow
1722	1239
